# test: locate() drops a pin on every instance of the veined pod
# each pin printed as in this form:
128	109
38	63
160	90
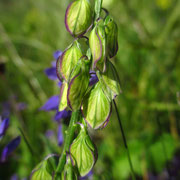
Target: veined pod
63	96
78	83
78	17
83	152
96	108
110	81
43	171
67	61
97	43
111	30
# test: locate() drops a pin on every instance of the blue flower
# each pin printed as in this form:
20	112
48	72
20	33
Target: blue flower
93	78
3	126
51	72
51	104
10	148
62	114
57	54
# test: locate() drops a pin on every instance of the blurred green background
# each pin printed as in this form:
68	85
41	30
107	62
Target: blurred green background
148	62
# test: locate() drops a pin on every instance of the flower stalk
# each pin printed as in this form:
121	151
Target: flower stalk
68	140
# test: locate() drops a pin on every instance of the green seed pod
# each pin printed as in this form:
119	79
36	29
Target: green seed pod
111	30
68	60
110	81
78	17
78	84
63	96
83	152
42	171
97	43
96	108
69	172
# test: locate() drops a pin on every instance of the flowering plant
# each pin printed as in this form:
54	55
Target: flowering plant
89	84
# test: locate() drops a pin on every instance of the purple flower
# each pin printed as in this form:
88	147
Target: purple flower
51	104
51	72
93	78
57	54
62	114
3	126
10	148
87	176
60	135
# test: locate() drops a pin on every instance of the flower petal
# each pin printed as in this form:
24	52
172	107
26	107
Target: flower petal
93	79
62	114
10	148
57	54
3	126
51	73
51	104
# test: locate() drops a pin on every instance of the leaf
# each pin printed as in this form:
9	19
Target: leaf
96	108
63	96
111	30
83	153
98	6
78	17
68	60
110	81
97	43
42	171
78	85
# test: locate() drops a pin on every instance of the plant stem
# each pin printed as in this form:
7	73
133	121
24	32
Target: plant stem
68	141
124	140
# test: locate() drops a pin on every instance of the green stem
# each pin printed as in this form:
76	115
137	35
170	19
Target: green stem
124	140
68	141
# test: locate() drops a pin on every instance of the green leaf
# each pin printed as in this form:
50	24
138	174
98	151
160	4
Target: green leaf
43	171
96	107
98	6
78	84
97	43
111	30
109	81
83	153
78	17
63	96
68	60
